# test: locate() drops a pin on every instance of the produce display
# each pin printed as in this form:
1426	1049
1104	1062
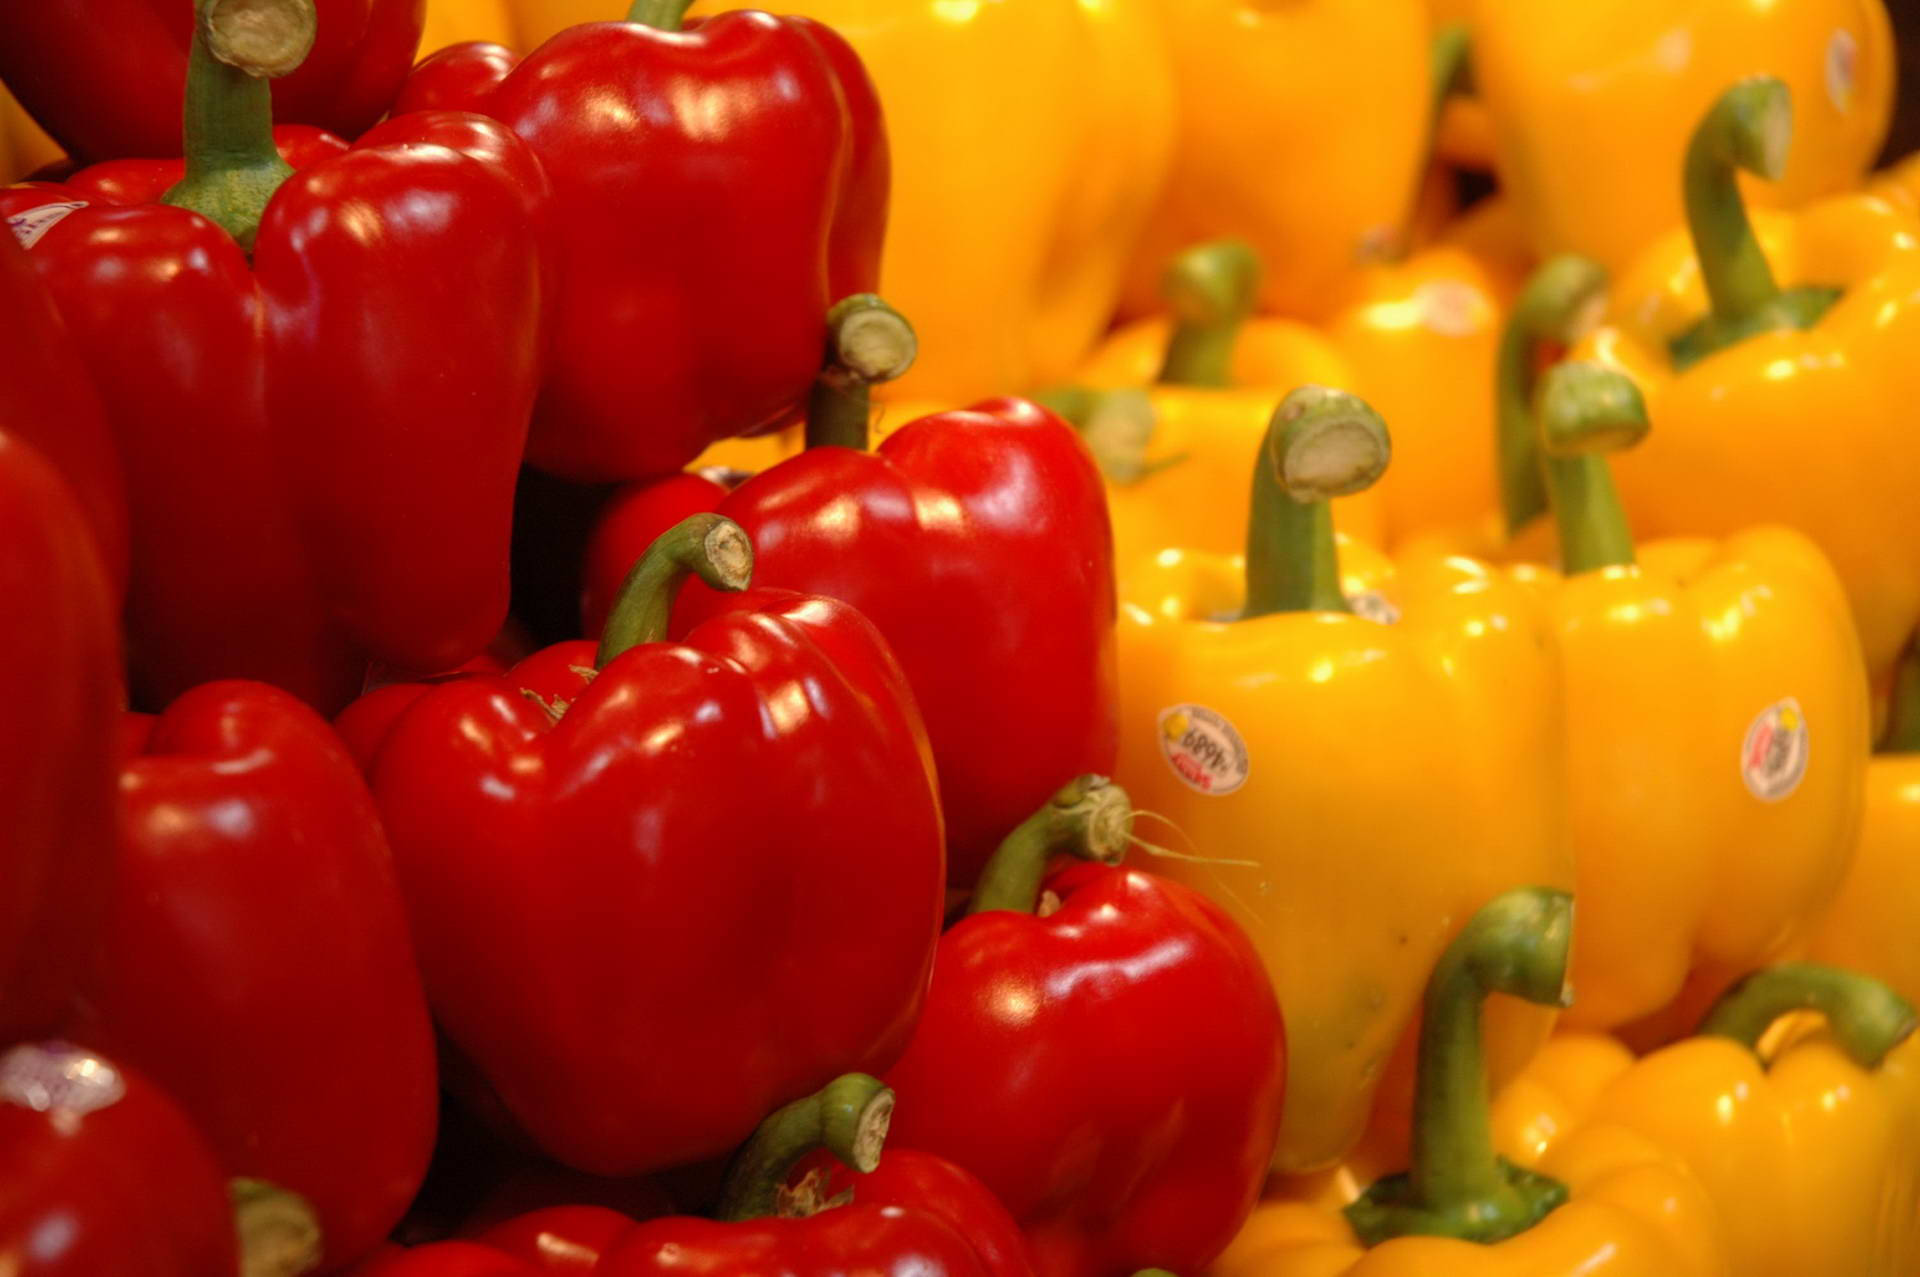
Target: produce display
958	638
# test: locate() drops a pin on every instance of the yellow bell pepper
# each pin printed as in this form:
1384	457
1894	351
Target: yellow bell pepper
1338	751
1029	144
1592	104
1780	406
24	145
1302	130
1898	184
1716	704
1587	1199
1806	1138
1175	456
457	21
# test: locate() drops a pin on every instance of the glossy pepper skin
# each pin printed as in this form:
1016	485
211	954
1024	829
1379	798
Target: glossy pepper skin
1068	104
1629	80
1112	1069
1530	1184
1329	868
550	827
1274	146
1734	423
559	1239
106	1177
59	677
358	394
685	314
1805	1143
256	963
104	76
445	1259
977	543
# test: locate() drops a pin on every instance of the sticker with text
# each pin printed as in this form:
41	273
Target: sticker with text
29	225
1203	749
1773	757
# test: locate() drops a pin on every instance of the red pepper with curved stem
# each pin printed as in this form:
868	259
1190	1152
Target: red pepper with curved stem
60	684
47	400
765	1226
729	845
559	1239
976	541
256	960
1112	1069
356	396
104	76
686	313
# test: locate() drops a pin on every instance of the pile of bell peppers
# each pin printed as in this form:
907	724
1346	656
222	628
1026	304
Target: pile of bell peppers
933	637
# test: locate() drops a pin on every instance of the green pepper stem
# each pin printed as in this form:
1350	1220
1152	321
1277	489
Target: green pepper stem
1090	817
232	165
1560	300
1749	127
1450	66
1116	425
1866	1018
1587	411
711	546
1320	444
1903	708
848	1118
279	1232
868	342
1517	944
1211	289
666	15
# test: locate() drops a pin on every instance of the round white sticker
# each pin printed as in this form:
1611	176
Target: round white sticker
55	1077
1203	749
1843	65
1773	757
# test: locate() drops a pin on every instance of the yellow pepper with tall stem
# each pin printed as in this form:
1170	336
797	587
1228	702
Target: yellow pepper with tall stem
1591	104
1780	405
1587	1200
1382	775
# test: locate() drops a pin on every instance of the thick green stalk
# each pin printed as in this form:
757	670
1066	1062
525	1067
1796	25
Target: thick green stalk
868	342
232	165
1090	817
667	15
1211	289
1560	300
1865	1017
1586	412
1320	444
708	545
1517	944
848	1118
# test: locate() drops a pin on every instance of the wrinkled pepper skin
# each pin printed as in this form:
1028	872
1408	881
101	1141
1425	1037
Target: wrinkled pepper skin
48	402
977	542
685	314
358	393
1729	429
105	1177
256	961
1069	104
1274	145
104	76
548	865
1592	106
60	680
1112	1070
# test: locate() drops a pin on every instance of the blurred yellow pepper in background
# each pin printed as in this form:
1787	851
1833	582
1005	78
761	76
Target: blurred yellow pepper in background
24	145
457	21
1593	104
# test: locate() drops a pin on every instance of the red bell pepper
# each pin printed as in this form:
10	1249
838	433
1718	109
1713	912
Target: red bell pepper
559	1239
47	400
256	960
716	187
104	76
445	1259
1113	1069
356	398
60	684
976	541
654	901
766	1227
105	1176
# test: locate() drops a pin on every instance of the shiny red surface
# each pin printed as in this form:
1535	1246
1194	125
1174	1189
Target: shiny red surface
1113	1072
716	190
883	1241
321	445
126	1189
106	77
60	684
920	1182
710	887
256	960
559	1239
977	541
